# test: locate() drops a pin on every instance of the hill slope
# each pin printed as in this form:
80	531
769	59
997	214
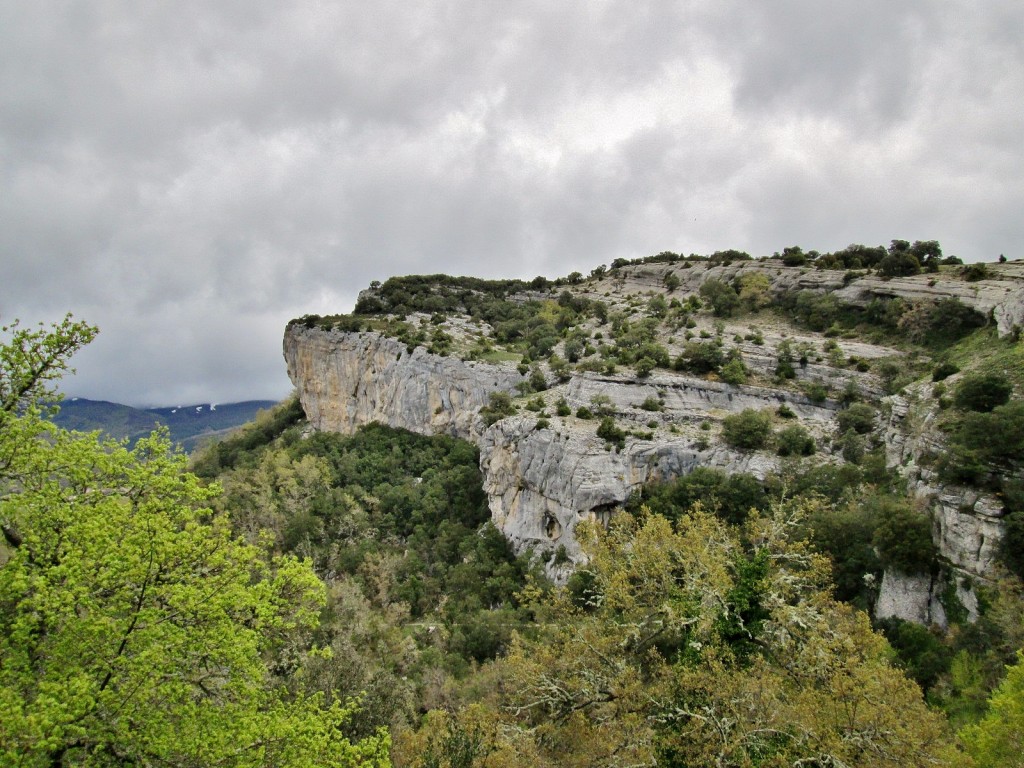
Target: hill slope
580	392
188	425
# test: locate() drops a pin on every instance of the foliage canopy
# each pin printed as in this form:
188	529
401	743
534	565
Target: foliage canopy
134	627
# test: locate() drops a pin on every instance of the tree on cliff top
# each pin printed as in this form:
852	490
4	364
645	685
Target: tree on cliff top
134	629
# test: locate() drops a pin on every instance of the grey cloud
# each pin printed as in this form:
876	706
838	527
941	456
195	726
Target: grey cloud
191	175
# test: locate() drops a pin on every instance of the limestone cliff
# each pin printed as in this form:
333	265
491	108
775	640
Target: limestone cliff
540	482
544	473
345	380
543	482
1000	296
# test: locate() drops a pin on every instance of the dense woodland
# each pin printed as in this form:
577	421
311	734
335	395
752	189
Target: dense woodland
291	598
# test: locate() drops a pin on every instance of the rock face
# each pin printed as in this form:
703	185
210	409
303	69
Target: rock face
345	380
966	523
999	296
926	599
540	482
543	478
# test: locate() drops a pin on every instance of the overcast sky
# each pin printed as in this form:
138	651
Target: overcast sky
190	175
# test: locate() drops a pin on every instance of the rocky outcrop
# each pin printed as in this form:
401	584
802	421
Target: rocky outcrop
966	523
545	473
345	380
540	482
999	296
926	598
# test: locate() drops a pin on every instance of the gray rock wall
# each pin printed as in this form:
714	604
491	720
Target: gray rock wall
541	483
345	380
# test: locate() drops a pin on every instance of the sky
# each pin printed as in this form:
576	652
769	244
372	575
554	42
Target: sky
189	176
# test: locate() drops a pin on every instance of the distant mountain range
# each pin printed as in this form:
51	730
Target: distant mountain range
189	425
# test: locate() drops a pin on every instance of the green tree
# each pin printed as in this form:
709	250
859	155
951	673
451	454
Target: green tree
794	256
723	297
134	628
31	359
998	740
982	392
734	372
755	290
903	537
698	644
610	433
700	357
498	407
794	440
859	417
748	430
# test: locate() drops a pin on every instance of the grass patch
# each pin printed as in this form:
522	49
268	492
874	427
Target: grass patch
984	352
500	356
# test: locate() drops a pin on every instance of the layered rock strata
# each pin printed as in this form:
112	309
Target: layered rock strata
543	478
346	380
540	482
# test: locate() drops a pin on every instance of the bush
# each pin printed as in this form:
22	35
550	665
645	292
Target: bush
643	367
785	412
860	417
794	441
982	392
730	496
747	430
574	348
843	532
903	537
899	265
816	392
923	655
852	447
610	433
816	311
535	404
734	372
700	357
652	404
723	297
1011	548
944	371
785	370
974	272
498	408
983	442
793	256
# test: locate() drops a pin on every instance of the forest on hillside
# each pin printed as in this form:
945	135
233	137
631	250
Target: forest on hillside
297	598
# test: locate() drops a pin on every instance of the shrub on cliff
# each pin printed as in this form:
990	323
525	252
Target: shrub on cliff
700	357
499	407
903	537
723	297
794	441
982	392
748	430
610	433
860	417
985	443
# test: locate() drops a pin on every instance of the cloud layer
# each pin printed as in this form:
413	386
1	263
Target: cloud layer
189	176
